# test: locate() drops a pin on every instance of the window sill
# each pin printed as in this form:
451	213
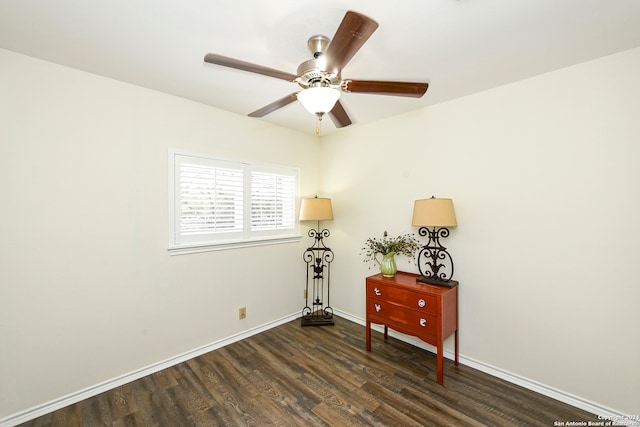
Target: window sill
192	248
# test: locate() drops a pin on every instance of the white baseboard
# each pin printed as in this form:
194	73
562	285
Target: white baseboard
45	408
529	384
29	414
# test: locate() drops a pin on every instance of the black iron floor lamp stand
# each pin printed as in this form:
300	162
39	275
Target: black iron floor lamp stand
318	258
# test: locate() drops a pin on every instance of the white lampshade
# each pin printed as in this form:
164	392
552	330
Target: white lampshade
434	213
316	209
318	100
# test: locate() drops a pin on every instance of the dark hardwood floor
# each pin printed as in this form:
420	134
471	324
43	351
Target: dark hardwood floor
315	376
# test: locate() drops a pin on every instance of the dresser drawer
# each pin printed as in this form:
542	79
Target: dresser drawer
418	322
413	300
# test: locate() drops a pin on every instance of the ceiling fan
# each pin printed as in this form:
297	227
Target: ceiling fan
321	77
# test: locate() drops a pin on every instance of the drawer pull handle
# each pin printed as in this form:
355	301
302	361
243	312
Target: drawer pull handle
377	291
421	303
377	306
423	322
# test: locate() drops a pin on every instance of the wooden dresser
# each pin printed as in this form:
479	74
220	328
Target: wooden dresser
425	311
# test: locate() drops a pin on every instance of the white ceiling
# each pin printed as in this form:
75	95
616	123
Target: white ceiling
458	46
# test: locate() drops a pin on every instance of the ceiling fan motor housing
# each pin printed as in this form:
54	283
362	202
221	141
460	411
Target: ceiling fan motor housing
313	72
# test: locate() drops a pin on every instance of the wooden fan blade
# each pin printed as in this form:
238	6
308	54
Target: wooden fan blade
414	90
275	105
339	117
354	30
225	61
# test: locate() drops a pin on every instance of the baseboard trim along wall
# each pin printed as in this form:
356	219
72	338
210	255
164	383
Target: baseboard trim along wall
496	372
92	391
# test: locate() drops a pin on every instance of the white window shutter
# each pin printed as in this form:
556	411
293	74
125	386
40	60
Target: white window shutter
211	200
272	201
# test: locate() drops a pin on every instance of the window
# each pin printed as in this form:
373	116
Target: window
221	203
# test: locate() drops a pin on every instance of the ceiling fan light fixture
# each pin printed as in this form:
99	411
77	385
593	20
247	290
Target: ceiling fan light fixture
318	100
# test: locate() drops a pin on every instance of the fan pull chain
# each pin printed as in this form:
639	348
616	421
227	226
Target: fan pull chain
318	122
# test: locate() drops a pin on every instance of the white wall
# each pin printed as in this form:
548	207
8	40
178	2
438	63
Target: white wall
88	291
545	181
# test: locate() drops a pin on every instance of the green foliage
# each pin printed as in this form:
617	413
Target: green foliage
405	244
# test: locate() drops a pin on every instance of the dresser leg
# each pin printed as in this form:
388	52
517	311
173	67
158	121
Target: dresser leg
368	336
456	346
440	365
386	332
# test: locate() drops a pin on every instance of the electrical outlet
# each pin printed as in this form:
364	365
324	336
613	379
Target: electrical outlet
242	313
304	294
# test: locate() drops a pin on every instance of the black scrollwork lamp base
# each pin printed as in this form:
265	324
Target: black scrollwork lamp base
317	311
434	261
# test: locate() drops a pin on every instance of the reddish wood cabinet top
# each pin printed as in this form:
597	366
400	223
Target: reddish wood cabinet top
425	311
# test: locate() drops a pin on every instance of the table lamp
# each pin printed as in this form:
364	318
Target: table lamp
434	261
